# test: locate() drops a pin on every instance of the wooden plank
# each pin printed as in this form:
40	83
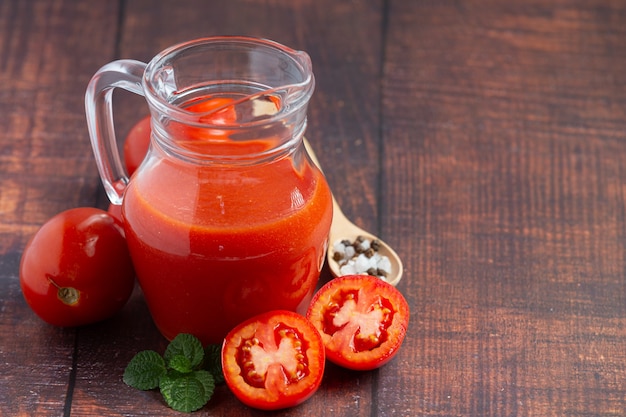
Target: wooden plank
45	156
503	164
46	166
344	43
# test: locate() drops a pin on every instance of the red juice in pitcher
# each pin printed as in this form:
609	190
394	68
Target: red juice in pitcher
213	246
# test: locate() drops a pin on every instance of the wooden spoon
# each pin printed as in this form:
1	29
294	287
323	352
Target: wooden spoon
342	228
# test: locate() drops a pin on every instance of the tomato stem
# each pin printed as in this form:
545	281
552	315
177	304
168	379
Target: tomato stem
67	295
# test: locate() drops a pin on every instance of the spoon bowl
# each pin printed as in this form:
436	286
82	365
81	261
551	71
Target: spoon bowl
343	229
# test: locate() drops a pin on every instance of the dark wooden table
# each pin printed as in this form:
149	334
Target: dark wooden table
484	140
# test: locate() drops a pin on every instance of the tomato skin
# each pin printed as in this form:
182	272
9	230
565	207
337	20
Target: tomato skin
136	144
82	249
339	319
276	391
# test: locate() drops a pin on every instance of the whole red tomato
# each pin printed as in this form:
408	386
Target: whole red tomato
136	144
274	360
76	269
362	320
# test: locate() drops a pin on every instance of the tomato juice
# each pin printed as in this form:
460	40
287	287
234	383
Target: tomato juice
214	245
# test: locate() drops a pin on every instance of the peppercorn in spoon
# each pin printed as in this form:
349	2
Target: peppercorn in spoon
353	250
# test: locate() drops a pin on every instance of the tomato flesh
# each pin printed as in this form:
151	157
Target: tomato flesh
362	321
274	360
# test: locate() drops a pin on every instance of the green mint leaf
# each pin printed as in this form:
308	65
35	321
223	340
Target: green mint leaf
213	362
144	370
187	392
180	363
208	383
185	345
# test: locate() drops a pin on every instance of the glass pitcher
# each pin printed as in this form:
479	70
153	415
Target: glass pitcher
227	216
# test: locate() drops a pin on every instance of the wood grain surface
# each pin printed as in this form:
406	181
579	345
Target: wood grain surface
484	140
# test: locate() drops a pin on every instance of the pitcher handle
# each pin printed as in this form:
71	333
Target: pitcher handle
126	74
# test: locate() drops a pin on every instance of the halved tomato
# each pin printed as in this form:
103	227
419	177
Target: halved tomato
362	320
273	360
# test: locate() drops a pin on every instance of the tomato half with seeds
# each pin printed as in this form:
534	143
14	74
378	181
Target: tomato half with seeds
76	269
362	320
274	360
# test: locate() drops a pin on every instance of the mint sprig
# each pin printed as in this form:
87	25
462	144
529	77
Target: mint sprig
185	345
144	370
187	392
186	374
